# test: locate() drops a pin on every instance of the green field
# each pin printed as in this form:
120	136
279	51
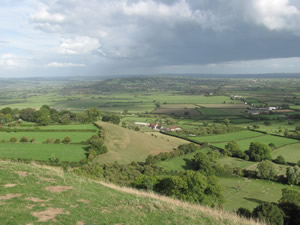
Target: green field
265	139
32	194
64	152
180	163
126	145
248	193
227	137
235	162
291	153
40	137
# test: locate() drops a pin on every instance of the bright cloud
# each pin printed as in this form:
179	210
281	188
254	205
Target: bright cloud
78	45
59	65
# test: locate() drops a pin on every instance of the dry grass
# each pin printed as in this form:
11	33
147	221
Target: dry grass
217	214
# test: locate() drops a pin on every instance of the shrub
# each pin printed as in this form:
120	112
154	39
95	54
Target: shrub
244	212
66	140
49	141
13	140
32	140
23	139
269	213
258	152
266	170
280	160
293	175
57	141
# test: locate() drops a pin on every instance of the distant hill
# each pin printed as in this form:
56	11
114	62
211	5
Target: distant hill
125	146
33	194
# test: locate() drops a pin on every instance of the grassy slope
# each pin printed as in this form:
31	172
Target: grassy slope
90	202
126	145
64	152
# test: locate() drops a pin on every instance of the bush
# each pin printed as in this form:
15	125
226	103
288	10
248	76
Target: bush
293	175
66	140
49	141
32	140
244	212
13	140
266	170
258	152
280	160
57	141
269	213
23	139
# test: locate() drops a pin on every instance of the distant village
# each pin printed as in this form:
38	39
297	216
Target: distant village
158	127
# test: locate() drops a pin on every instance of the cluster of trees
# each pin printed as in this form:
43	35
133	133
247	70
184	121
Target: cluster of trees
191	186
96	147
214	129
111	118
181	150
256	152
47	115
286	211
294	135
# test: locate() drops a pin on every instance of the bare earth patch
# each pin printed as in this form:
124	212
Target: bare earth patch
21	173
58	189
83	201
9	185
46	179
80	223
48	214
9	196
33	199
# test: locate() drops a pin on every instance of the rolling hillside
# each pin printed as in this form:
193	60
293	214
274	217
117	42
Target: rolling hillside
33	194
126	145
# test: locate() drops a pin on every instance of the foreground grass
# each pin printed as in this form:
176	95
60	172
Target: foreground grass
31	194
64	152
126	145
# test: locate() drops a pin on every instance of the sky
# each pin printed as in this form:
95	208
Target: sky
122	37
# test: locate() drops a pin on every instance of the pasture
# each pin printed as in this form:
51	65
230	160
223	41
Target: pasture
180	163
245	134
265	139
41	137
125	146
248	193
64	152
291	153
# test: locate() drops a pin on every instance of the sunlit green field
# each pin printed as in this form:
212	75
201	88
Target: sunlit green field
64	152
291	153
227	137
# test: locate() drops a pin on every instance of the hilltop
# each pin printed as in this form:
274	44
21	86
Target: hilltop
32	194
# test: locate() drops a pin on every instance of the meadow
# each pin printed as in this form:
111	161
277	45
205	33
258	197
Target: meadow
64	152
245	134
290	153
248	193
127	145
265	139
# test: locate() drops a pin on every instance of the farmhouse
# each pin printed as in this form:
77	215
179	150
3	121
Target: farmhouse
155	126
174	128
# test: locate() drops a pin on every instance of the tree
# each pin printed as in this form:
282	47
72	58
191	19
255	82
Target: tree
290	205
293	175
97	145
258	152
93	114
66	140
192	186
280	160
266	170
203	163
269	213
27	114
